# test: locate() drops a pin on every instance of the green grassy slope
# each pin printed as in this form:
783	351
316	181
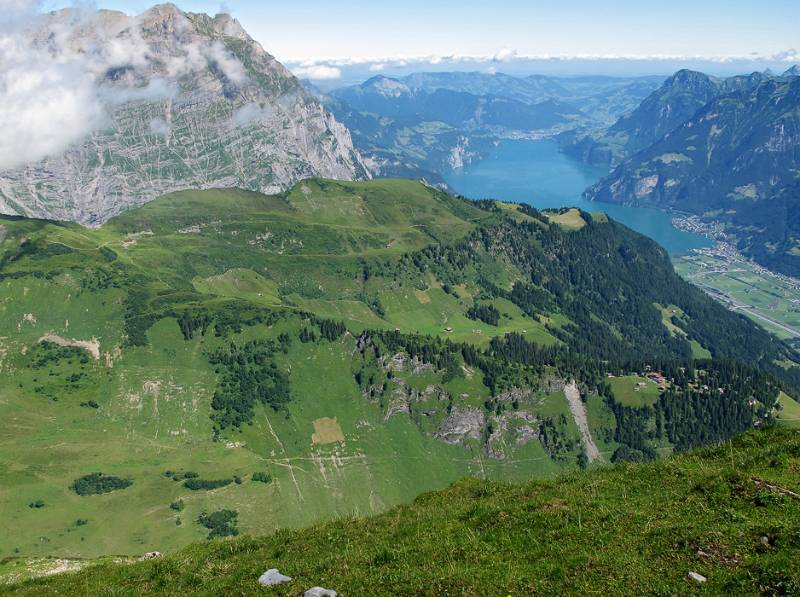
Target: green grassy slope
144	302
789	413
153	400
726	513
153	416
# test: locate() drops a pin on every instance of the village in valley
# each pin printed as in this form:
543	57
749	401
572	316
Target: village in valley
770	298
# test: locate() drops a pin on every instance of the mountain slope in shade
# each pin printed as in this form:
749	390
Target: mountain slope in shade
678	99
192	102
736	161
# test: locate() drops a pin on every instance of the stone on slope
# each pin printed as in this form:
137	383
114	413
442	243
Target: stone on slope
697	577
272	577
319	592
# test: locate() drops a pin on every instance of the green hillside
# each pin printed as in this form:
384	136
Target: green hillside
337	350
729	513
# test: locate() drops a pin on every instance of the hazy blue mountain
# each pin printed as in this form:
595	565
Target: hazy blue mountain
393	98
601	99
425	123
532	89
677	100
406	130
793	71
736	160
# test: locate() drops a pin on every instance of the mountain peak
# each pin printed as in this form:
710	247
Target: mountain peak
161	13
166	8
386	86
793	71
686	77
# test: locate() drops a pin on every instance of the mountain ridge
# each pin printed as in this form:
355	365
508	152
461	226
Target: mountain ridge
193	102
319	344
677	100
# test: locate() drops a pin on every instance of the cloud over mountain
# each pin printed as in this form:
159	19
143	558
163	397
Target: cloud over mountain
61	73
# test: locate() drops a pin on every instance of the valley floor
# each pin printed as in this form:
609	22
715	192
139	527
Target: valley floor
769	299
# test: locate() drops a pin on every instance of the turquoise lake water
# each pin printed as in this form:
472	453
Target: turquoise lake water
537	173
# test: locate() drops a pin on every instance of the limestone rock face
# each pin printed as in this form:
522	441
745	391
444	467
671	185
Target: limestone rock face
186	101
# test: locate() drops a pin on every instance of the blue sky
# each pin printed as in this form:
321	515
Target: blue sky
323	30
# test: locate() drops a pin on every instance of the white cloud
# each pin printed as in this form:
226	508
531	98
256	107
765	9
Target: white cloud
46	104
160	127
789	55
317	71
505	55
155	90
227	62
252	112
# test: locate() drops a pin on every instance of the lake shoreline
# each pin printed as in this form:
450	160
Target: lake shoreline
535	172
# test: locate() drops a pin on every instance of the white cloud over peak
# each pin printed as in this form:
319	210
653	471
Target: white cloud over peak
789	55
62	75
227	62
46	104
318	72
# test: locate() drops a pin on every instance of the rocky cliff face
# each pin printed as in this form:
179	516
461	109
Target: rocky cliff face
188	101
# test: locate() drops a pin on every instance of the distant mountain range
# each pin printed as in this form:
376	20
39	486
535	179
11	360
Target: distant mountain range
728	150
426	123
391	98
596	96
677	100
190	101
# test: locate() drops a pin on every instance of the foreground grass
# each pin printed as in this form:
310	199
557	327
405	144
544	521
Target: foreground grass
724	512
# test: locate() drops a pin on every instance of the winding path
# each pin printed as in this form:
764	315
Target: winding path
578	410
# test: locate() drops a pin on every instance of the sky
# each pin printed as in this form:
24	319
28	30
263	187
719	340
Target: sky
334	39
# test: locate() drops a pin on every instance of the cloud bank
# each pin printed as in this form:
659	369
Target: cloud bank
319	72
332	67
46	104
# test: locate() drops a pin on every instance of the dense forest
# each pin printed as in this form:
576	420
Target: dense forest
607	280
248	375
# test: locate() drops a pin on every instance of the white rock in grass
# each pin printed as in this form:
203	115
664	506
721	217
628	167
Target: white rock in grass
697	577
272	577
150	555
319	592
